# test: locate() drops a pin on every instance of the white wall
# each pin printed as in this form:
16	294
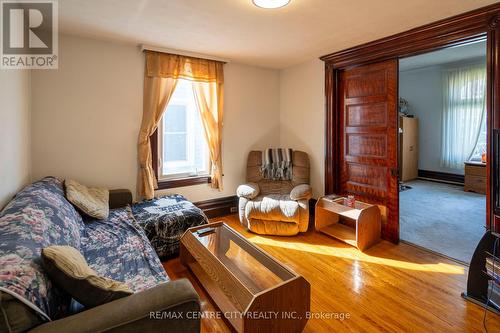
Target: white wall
87	114
302	115
15	161
423	89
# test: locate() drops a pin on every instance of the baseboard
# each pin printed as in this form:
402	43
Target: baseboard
219	206
441	176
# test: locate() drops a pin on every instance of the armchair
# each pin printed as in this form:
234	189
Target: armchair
275	207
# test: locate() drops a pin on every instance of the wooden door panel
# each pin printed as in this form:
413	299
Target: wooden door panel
368	138
372	114
363	177
367	83
366	145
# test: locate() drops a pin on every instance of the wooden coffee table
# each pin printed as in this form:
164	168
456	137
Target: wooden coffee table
254	292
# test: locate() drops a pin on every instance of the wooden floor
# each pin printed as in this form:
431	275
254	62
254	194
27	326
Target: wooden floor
389	288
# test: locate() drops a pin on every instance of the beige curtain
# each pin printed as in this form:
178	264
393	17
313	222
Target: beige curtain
157	93
160	78
182	67
209	100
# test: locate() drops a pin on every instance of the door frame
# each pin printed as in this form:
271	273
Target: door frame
453	31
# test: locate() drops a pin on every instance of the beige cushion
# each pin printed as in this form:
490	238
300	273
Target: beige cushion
300	167
69	270
266	227
303	191
92	201
249	191
274	207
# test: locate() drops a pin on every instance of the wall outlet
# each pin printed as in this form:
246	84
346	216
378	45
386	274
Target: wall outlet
233	209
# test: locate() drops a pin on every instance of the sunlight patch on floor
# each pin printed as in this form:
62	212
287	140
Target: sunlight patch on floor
354	254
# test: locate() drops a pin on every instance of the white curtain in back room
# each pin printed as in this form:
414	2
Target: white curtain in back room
464	112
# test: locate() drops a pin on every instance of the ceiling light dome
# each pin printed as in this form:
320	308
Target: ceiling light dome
270	3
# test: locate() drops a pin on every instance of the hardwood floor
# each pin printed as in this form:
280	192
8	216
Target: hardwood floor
389	288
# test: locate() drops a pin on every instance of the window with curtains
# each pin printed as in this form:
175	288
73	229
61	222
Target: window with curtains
181	127
464	115
182	147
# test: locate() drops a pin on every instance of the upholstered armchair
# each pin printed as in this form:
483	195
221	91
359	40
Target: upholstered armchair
275	207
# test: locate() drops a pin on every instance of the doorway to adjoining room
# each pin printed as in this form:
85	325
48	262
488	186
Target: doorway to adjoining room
442	149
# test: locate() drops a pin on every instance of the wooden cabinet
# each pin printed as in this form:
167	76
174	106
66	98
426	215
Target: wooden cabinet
408	148
475	177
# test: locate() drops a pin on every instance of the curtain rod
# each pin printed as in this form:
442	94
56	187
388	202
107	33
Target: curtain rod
180	52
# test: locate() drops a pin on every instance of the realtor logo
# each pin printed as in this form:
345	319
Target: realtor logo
29	34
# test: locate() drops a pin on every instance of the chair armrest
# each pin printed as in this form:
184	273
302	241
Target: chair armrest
249	190
119	198
302	191
169	307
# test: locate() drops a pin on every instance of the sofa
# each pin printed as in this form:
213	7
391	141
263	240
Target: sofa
275	207
40	216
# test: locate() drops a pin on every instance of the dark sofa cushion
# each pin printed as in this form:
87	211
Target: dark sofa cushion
15	316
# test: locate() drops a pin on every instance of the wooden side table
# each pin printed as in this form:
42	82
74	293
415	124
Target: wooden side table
475	177
359	226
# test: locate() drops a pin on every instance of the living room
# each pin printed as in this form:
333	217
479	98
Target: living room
229	162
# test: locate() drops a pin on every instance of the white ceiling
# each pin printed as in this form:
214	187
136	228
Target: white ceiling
445	56
243	33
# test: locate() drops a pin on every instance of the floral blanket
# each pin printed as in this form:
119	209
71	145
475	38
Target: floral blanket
165	219
118	248
40	216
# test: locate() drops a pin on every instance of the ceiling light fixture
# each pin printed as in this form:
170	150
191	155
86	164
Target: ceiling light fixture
270	3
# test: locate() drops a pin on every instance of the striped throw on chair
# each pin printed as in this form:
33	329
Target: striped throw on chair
277	164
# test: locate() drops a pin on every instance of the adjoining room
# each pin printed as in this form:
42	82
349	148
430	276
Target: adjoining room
443	145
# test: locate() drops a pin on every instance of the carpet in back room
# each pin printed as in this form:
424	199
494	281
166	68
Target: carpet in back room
442	218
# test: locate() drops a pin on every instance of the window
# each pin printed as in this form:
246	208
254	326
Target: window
464	115
182	147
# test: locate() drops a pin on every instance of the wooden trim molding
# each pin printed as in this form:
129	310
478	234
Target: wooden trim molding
493	116
154	152
219	207
181	182
442	176
332	170
496	176
447	32
457	30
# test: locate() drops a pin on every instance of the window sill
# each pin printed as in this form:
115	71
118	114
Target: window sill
181	182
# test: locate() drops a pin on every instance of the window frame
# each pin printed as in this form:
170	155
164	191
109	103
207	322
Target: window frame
190	152
180	179
172	182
